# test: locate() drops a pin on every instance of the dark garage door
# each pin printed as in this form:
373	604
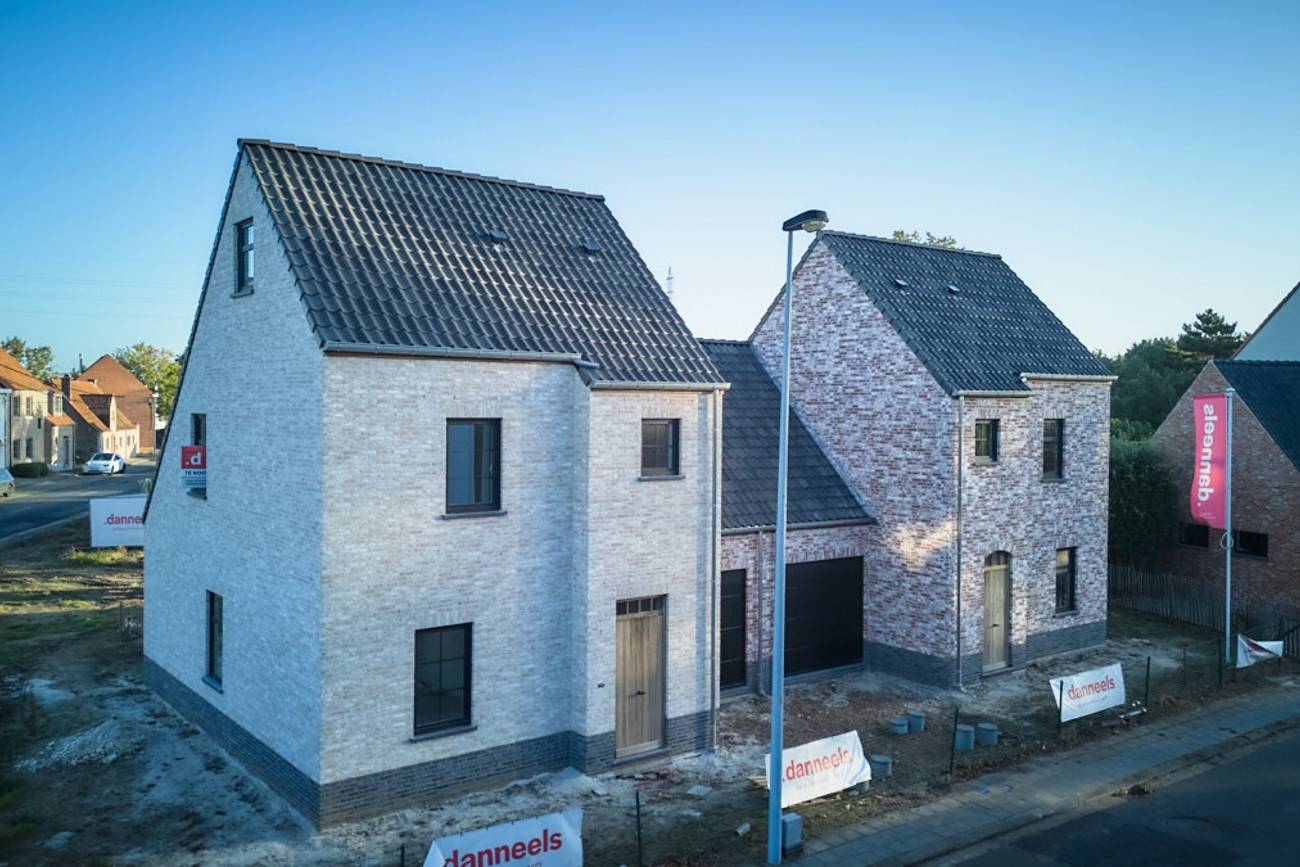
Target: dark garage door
823	614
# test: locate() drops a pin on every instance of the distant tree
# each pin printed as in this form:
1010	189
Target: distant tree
155	367
1130	430
1143	502
1209	336
1152	375
39	360
914	237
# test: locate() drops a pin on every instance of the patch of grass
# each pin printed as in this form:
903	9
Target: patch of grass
98	556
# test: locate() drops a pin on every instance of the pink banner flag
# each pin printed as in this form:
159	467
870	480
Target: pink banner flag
1209	471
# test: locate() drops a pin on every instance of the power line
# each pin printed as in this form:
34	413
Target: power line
98	315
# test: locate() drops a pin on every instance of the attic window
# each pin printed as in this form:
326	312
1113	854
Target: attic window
498	236
591	248
900	282
953	289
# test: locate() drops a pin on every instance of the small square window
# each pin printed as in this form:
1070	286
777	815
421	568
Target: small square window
659	447
244	257
473	465
986	440
442	678
1250	544
1053	448
1195	535
1065	579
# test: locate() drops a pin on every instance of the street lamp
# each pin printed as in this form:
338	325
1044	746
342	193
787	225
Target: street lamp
808	221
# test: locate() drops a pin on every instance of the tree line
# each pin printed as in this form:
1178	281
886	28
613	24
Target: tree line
157	368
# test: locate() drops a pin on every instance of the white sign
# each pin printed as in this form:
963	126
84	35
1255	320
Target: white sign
1250	651
553	840
820	768
117	521
1082	694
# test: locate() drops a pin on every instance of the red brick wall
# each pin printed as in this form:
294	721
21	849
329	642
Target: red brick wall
1265	499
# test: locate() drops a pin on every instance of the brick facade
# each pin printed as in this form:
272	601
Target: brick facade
332	555
1265	499
891	430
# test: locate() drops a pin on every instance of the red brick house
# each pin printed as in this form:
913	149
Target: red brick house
133	398
1265	481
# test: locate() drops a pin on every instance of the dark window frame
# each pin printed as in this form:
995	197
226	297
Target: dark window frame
1069	572
992	440
1193	535
662	457
215	644
467	671
198	437
486	467
245	261
27	448
1256	548
1053	448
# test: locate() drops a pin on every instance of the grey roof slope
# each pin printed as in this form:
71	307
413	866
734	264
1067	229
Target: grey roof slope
750	431
1272	391
396	257
979	338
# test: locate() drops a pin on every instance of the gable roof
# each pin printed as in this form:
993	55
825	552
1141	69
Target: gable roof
751	413
1272	391
1286	299
982	337
393	257
13	375
112	376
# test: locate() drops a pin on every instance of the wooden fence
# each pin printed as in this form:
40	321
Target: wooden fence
1200	602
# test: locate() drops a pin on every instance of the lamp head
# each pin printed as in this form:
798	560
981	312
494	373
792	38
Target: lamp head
809	221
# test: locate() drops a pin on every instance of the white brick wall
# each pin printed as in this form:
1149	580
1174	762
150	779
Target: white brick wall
256	371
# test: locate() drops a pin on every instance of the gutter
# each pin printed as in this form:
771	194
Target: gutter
340	347
961	460
1069	377
612	385
976	393
715	568
809	525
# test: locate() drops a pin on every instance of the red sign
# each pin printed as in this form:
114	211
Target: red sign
194	457
1209	468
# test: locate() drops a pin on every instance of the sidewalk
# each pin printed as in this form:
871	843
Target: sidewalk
994	804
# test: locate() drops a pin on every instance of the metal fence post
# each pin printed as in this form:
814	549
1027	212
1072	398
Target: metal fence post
1146	698
640	855
1220	655
1060	707
952	745
403	855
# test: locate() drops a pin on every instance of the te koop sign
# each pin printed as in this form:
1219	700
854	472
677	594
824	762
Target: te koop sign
1082	694
117	521
820	768
553	840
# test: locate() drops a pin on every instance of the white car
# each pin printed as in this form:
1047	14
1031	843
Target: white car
105	463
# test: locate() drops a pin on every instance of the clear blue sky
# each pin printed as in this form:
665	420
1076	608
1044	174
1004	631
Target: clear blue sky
1134	163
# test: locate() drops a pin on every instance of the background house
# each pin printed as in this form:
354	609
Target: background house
131	397
37	429
1278	336
100	424
1265	483
975	427
533	583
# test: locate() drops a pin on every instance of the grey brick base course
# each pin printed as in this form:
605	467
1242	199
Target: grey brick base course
1069	638
372	794
300	790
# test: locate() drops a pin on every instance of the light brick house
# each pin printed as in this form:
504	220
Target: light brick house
1265	483
132	397
487	542
975	429
1278	337
37	429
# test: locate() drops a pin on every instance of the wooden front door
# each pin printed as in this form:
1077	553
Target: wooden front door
997	610
639	676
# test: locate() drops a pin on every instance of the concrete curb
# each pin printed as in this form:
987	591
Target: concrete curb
23	535
1173	767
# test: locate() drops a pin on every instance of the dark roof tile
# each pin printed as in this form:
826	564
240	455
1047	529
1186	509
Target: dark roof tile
1272	391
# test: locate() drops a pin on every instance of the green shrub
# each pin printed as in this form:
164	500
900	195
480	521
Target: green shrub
1143	502
30	470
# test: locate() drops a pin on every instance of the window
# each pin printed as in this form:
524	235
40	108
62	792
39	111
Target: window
31	407
58	404
215	629
986	440
1250	544
29	448
198	429
639	606
659	447
442	678
244	257
18	449
1196	535
1053	448
1065	573
473	465
39	422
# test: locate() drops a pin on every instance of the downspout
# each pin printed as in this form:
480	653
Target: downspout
961	459
715	572
762	607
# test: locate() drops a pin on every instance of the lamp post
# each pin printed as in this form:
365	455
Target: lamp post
808	221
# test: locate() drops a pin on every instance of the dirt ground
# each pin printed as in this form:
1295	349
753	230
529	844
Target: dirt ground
95	769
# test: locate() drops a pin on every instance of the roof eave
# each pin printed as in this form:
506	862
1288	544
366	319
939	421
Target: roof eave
807	525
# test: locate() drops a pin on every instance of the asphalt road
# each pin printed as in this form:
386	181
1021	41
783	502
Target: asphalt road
1245	811
38	502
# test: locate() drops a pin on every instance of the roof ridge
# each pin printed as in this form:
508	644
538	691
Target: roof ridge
381	161
923	246
1286	361
722	340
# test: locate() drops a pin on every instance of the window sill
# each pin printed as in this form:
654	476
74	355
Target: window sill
1053	480
443	733
984	462
674	478
212	682
241	293
1073	612
456	516
197	493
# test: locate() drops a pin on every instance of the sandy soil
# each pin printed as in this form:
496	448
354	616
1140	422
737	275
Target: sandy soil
95	769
